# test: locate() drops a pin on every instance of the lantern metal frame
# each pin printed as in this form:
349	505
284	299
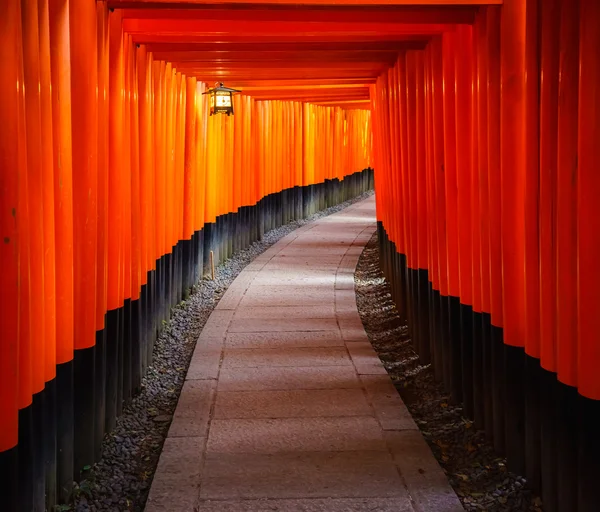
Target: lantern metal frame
220	91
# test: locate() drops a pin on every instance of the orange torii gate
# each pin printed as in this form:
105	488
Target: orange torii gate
480	117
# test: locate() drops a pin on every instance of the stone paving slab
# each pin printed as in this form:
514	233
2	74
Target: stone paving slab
274	339
193	409
285	378
286	312
286	356
301	475
286	406
296	278
308	295
296	435
176	482
291	404
282	324
309	505
424	478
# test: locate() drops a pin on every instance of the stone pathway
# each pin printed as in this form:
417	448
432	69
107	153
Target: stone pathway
286	406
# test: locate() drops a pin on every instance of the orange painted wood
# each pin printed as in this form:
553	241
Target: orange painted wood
116	150
421	210
408	15
532	183
587	200
450	162
103	116
10	162
549	64
34	234
136	198
145	158
84	122
121	3
48	192
432	243
438	159
24	296
403	146
62	163
493	94
189	199
512	136
566	201
464	139
482	142
475	185
412	183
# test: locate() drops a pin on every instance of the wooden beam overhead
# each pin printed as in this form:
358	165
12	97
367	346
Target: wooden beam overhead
287	49
169	4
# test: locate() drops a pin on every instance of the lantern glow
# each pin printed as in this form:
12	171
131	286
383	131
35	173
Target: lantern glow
221	100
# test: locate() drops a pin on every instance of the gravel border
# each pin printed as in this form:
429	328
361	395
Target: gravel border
479	477
121	480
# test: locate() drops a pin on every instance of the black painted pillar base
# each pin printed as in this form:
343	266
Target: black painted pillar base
208	236
27	460
9	479
486	375
112	362
49	433
498	389
84	362
64	430
514	413
456	389
137	347
466	352
100	391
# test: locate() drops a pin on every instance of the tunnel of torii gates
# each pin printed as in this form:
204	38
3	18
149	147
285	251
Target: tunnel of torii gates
482	125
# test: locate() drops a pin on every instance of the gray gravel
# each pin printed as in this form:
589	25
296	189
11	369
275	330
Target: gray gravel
479	477
121	480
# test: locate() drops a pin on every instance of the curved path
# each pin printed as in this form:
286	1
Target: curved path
286	406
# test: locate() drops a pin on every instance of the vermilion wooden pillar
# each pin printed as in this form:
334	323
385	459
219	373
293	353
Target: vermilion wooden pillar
10	161
588	191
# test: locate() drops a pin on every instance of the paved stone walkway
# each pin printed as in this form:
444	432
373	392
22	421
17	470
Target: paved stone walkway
286	406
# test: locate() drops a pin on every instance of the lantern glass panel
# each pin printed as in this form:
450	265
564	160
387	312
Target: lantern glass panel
223	99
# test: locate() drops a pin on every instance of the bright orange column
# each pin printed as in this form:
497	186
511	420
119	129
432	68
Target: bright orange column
26	348
566	203
493	112
549	62
481	140
136	194
439	159
63	192
84	123
115	146
587	200
421	212
11	164
35	181
512	140
412	247
463	77
103	116
189	198
126	171
145	160
532	185
48	192
450	163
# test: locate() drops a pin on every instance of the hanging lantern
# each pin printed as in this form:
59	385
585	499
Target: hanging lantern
221	100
